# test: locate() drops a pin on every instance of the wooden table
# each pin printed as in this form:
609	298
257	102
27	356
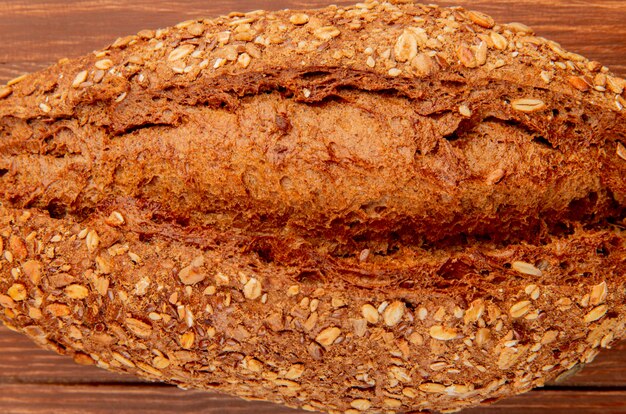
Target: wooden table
35	33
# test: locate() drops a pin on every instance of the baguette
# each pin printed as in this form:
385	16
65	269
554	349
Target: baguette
385	207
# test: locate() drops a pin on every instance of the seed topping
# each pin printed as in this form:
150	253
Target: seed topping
528	105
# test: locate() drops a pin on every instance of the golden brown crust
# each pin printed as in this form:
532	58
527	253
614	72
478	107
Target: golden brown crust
387	207
124	109
222	319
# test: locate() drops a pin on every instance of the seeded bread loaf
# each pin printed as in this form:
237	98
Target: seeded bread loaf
385	207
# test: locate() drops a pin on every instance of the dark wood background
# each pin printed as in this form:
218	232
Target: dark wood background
36	33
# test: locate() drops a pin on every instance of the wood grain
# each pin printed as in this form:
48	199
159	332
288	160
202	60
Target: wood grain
79	399
37	381
133	398
37	33
22	361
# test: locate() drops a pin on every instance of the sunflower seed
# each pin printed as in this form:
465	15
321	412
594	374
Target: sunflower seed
295	372
466	57
299	19
104	64
547	76
361	404
598	294
443	333
5	91
405	48
92	240
326	32
433	388
596	313
499	41
187	340
481	19
328	336
244	60
615	85
115	219
392	403
121	97
516	27
621	151
370	313
180	52
80	78
32	270
526	268
17	292
475	311
253	364
139	328
58	309
393	313
253	289
423	64
465	111
480	52
17	80
578	83
76	291
6	301
528	105
520	309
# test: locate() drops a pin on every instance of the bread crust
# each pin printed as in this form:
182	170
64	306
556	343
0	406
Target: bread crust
380	207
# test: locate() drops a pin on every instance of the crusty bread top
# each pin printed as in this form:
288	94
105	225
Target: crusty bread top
465	78
395	39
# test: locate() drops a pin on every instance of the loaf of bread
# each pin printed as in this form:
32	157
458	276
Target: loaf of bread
385	207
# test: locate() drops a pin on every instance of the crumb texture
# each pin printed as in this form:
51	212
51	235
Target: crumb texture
385	207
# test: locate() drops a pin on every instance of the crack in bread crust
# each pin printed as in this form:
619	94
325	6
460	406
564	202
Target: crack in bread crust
363	167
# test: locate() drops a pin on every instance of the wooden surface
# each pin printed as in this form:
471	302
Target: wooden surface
35	33
37	381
